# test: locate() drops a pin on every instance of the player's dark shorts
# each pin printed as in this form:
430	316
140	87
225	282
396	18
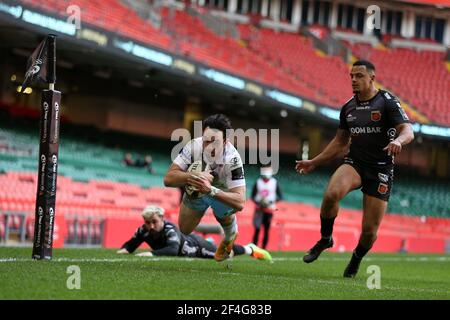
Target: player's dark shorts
196	246
376	180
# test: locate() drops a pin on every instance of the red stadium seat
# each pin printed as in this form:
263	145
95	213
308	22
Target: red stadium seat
403	70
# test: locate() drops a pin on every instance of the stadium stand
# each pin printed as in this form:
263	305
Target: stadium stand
403	71
110	15
323	79
83	161
191	38
85	206
94	187
181	33
283	60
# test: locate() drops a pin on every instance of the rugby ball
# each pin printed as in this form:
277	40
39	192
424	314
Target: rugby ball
196	166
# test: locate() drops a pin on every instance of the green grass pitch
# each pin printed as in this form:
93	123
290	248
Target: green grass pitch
105	275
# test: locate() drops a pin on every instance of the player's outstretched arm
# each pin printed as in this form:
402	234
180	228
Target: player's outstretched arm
176	177
405	136
333	149
131	245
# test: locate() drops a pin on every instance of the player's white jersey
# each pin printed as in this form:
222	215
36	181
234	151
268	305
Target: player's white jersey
228	174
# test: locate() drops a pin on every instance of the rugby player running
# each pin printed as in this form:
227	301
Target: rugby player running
375	127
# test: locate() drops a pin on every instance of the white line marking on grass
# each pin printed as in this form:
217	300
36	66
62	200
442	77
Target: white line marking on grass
101	260
344	282
9	260
386	259
133	259
231	273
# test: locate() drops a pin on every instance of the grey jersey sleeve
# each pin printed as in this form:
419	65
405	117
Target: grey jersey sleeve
134	243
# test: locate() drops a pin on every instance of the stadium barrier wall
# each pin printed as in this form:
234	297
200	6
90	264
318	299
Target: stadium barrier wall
286	236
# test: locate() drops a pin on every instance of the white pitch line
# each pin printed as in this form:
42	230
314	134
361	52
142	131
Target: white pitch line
386	259
345	283
99	260
280	259
9	260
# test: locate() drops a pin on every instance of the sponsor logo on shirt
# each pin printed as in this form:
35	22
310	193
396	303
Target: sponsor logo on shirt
237	174
383	177
375	115
363	105
235	163
350	118
362	130
391	133
348	160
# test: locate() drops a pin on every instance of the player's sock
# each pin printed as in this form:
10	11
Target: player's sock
360	251
230	230
353	266
326	227
225	248
248	250
240	250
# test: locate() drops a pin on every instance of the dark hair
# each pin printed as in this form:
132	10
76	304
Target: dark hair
369	65
217	121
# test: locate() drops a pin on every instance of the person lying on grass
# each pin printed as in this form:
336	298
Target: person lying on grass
165	239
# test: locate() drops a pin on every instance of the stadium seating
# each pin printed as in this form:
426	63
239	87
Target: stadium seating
283	60
403	71
111	15
186	35
84	162
192	39
93	185
94	188
98	198
86	205
323	79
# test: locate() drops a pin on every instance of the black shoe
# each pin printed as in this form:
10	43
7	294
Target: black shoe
315	251
352	267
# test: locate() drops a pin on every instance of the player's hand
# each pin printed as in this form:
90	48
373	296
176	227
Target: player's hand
304	166
202	184
145	254
393	148
122	251
207	175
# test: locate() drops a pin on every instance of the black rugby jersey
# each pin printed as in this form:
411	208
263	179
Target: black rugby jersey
168	242
372	125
